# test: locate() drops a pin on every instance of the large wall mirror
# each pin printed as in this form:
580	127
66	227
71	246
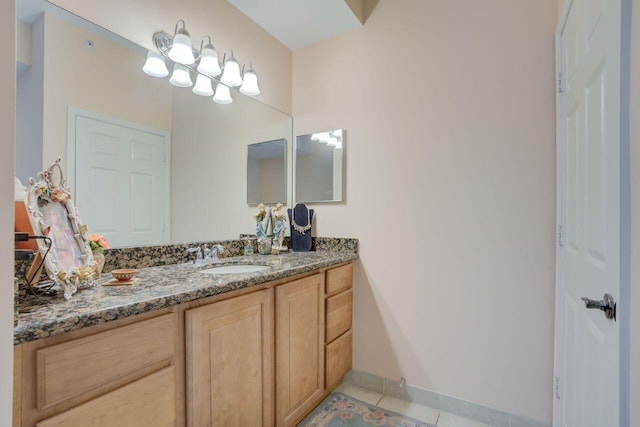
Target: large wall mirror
130	141
319	167
267	172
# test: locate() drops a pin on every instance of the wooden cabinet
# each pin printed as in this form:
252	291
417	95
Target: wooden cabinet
262	356
299	348
119	374
339	320
230	363
149	401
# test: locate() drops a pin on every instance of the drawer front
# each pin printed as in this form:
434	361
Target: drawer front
339	314
150	401
339	279
104	360
339	354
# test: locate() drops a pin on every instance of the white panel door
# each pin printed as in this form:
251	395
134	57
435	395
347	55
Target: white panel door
587	363
120	182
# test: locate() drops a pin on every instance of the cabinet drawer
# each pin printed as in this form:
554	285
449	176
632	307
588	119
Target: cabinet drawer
150	401
103	361
338	359
339	314
339	279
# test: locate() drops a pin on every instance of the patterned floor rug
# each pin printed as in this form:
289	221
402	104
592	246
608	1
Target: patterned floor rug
340	410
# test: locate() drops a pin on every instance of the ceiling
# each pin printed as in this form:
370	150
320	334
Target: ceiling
299	23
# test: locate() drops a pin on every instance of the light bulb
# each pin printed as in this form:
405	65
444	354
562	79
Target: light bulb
324	137
223	95
209	60
180	76
181	50
155	65
203	86
250	83
231	73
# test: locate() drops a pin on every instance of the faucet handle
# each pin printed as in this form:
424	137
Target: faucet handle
197	250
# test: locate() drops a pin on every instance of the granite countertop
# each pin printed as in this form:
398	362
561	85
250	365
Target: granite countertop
159	287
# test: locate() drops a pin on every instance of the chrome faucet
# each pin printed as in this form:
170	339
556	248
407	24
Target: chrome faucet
211	254
206	255
198	252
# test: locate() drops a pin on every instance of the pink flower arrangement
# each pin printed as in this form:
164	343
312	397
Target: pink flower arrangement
97	242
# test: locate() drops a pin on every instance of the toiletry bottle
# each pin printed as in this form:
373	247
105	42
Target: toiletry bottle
248	248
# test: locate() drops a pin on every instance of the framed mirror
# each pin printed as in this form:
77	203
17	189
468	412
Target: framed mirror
65	251
267	172
319	173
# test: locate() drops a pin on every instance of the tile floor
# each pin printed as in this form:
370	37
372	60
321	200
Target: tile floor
413	410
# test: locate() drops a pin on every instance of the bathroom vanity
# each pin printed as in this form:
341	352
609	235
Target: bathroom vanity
183	348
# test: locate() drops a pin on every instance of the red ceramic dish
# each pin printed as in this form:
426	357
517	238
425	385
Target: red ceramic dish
124	274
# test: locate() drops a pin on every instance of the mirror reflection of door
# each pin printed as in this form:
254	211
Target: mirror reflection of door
121	177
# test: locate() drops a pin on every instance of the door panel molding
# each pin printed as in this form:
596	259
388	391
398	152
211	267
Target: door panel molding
74	113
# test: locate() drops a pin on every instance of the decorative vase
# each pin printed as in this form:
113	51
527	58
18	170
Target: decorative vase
264	245
99	262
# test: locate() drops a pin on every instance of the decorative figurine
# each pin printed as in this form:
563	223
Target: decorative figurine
279	221
262	221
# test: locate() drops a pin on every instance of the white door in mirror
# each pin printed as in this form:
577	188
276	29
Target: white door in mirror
120	182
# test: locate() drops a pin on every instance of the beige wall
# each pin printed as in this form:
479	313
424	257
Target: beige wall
228	27
635	216
106	79
7	124
449	108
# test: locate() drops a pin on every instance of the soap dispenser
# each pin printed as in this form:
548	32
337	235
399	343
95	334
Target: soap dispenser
248	247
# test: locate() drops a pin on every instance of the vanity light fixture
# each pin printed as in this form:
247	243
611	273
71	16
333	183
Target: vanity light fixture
208	59
204	63
250	82
155	65
180	76
181	50
203	86
231	74
223	94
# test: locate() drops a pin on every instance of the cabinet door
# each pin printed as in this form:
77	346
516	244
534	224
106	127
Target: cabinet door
150	401
229	362
299	348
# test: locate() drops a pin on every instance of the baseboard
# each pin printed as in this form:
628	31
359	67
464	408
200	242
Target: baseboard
474	411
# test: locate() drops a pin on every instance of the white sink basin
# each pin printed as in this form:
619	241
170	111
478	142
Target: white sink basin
235	269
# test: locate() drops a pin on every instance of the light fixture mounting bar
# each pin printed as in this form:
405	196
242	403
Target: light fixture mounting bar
164	41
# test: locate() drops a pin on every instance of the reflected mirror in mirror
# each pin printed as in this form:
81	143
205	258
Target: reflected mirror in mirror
267	172
319	167
193	176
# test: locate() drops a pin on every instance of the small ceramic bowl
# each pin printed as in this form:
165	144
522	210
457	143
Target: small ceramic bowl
124	274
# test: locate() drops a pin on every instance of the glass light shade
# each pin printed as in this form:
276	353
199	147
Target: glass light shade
209	62
250	83
231	73
223	95
180	76
181	51
155	65
323	137
203	86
